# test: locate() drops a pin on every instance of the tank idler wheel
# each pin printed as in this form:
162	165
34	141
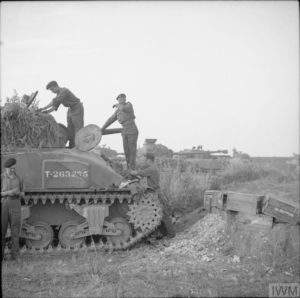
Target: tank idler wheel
45	231
65	235
120	224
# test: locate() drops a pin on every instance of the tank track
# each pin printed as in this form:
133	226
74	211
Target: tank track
79	197
107	197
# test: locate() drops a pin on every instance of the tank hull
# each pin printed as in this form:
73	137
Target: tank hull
71	196
56	169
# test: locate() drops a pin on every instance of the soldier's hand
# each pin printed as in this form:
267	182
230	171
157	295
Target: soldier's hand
15	192
126	174
133	172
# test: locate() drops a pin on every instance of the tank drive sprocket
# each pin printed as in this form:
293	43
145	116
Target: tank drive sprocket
145	213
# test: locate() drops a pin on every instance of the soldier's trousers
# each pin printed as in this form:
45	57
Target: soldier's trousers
166	219
11	213
130	145
75	121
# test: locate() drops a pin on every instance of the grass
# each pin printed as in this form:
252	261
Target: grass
152	270
142	272
185	188
95	275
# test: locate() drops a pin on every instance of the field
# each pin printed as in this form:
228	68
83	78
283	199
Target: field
199	262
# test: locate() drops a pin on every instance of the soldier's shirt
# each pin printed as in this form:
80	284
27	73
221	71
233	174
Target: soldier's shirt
8	183
66	98
152	174
125	115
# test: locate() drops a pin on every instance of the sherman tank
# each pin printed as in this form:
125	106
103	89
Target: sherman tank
74	200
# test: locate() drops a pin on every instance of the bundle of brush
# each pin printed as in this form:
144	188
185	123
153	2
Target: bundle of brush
26	127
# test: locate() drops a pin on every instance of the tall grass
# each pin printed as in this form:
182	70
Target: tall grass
242	172
184	190
185	184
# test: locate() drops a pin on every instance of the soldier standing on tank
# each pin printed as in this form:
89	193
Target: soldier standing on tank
152	173
11	191
75	109
125	115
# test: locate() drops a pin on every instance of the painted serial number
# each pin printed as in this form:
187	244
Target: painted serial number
66	174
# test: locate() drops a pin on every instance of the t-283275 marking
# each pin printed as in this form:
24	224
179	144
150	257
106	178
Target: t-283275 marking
66	174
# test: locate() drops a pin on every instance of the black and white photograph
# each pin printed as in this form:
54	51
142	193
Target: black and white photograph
150	149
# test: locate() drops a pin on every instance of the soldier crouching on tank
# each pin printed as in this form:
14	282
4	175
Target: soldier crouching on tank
11	191
153	177
75	113
125	115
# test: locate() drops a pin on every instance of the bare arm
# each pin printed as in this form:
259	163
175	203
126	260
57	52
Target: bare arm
49	110
46	107
11	192
110	120
55	103
15	191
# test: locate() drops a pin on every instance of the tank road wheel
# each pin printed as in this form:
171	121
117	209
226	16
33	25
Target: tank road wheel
65	235
45	231
123	225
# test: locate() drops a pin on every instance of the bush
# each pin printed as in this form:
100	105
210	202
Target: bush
241	173
108	151
185	187
25	127
159	150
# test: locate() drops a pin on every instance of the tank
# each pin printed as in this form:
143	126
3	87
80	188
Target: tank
199	153
204	161
73	200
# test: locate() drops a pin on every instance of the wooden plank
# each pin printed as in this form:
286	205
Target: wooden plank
259	222
242	202
214	209
213	198
282	210
207	201
216	198
220	202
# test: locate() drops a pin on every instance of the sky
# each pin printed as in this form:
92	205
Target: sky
221	74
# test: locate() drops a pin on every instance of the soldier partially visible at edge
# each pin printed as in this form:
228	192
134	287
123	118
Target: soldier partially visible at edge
125	115
152	173
75	112
11	191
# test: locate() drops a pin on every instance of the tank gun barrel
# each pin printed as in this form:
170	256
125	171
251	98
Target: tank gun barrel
219	151
195	151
